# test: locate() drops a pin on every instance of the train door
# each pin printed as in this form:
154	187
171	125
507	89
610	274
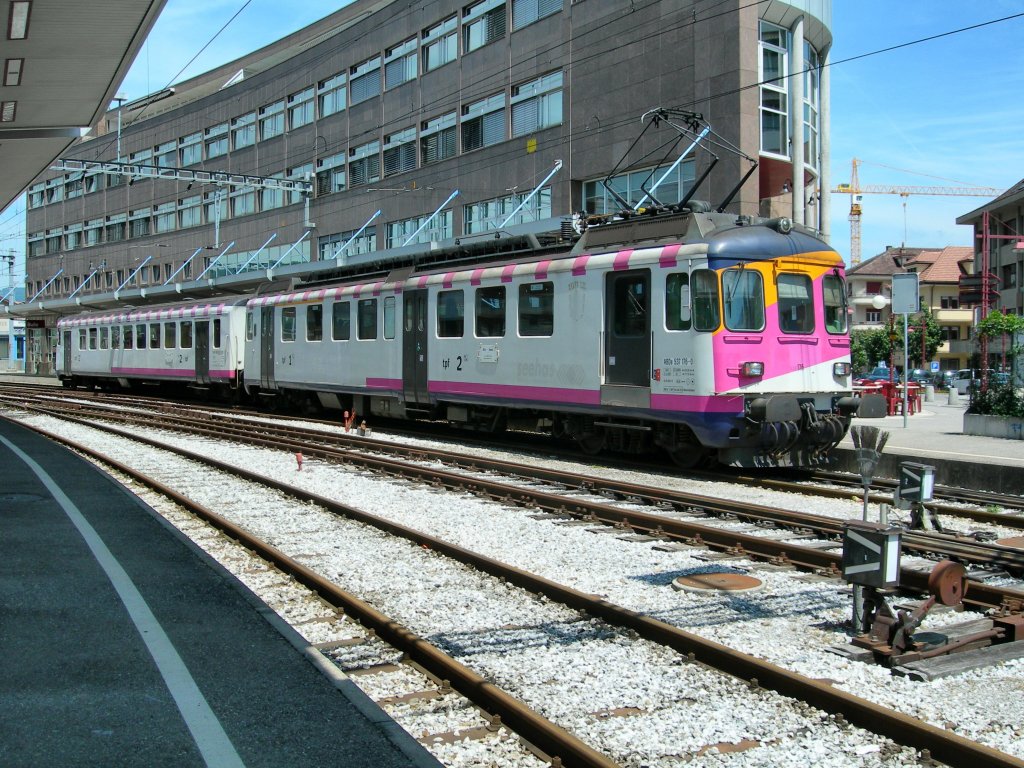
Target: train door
202	341
66	362
267	347
627	334
414	347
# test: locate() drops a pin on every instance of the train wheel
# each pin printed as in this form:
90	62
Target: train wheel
592	443
690	457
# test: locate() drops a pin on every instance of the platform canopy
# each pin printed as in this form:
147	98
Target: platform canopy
62	62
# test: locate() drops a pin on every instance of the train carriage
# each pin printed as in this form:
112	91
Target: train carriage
709	335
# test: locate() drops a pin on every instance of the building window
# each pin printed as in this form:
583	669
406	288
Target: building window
949	302
812	96
243	202
164	218
438	228
528	11
271	120
93	232
365	80
300	108
190	149
950	333
74	187
138	222
36	196
773	74
216	206
482	23
190	212
331	94
400	64
54	240
491	214
93	182
400	152
364	164
271	198
243	131
73	237
440	44
216	141
330	174
437	139
483	123
633	187
54	191
115	229
331	245
1009	276
299	173
166	154
537	104
873	316
451	314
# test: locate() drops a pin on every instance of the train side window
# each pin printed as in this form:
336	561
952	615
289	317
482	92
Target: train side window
837	317
704	284
170	335
537	309
140	336
129	337
186	334
314	322
115	337
796	305
104	338
250	325
743	299
154	336
92	338
677	302
341	321
366	318
288	324
490	312
389	317
217	341
451	314
81	338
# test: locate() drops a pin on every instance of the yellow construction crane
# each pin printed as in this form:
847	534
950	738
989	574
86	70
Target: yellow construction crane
855	190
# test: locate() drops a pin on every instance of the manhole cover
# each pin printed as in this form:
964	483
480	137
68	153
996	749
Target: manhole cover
720	581
1013	541
16	497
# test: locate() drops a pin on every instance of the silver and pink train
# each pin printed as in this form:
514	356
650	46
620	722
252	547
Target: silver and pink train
711	336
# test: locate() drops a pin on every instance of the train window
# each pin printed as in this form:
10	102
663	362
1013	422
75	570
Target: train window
834	295
154	336
366	317
129	337
743	299
216	334
537	309
186	334
250	325
451	314
170	335
490	312
630	296
288	324
92	338
704	286
140	336
115	337
104	338
389	317
677	301
314	322
81	338
341	321
796	306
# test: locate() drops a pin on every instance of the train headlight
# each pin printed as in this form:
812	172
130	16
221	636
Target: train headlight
752	370
841	369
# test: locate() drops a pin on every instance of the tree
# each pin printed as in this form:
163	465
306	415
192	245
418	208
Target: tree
996	325
867	348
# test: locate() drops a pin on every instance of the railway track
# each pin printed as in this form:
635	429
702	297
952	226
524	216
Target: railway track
756	674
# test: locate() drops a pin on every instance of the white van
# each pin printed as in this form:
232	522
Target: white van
964	379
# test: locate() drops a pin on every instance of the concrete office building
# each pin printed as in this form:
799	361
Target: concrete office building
419	124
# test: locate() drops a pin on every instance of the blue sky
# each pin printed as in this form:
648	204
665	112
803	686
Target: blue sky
948	110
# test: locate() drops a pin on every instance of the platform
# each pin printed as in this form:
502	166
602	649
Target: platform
122	643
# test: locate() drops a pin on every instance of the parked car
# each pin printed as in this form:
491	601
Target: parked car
877	376
943	379
964	379
920	376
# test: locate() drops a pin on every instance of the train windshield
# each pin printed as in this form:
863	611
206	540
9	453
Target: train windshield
834	294
743	299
